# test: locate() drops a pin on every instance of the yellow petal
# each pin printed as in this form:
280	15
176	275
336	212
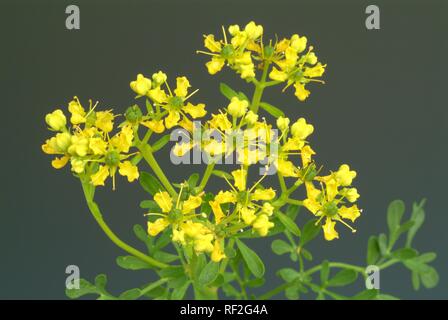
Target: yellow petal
59	163
182	87
301	93
217	211
240	179
263	194
217	253
155	125
329	231
154	228
100	176
128	170
104	121
248	215
164	201
262	225
195	111
77	111
351	213
172	119
191	203
306	154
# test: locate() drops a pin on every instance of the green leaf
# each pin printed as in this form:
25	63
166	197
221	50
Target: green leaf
85	287
418	217
179	293
309	232
132	263
292	211
149	183
288	223
159	144
151	205
415	276
209	273
100	282
131	294
343	278
280	247
252	260
324	272
288	274
193	180
306	254
165	257
172	272
404	254
256	283
140	233
228	92
292	293
386	297
373	251
430	279
382	244
273	111
242	96
368	294
222	174
163	240
395	212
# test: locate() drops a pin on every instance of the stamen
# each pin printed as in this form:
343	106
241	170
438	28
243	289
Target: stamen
346	224
207	53
224	34
191	94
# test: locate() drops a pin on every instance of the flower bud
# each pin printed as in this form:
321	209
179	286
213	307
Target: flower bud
63	141
283	123
133	114
237	108
56	120
141	86
159	78
301	130
251	117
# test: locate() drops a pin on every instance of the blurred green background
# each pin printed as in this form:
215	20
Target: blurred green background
383	110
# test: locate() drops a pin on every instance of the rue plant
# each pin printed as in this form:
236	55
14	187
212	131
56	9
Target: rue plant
195	241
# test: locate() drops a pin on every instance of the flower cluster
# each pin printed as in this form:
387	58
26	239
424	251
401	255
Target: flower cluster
88	144
294	62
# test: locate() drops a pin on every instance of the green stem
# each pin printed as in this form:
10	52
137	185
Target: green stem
153	285
149	157
281	180
206	176
294	201
274	291
388	264
112	236
259	87
336	265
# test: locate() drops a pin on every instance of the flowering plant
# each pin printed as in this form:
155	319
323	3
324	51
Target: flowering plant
196	238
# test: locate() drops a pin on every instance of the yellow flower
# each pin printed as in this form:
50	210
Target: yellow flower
262	225
268	208
298	43
159	78
56	120
78	165
77	111
154	228
240	179
122	141
237	108
283	123
178	236
301	130
253	31
351	194
164	201
301	93
172	119
128	170
248	215
158	95
104	121
217	253
251	117
329	231
344	176
141	86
